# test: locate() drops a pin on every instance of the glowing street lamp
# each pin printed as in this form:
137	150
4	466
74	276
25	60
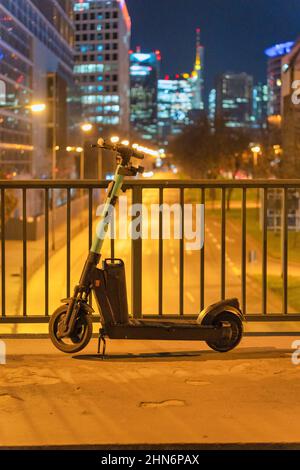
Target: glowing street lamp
256	150
125	142
115	139
37	107
86	127
34	108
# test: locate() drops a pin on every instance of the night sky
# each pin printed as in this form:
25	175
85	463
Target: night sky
234	32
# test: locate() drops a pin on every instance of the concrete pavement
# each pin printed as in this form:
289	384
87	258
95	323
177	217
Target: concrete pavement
149	393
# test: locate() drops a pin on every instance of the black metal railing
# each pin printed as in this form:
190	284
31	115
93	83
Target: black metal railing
198	191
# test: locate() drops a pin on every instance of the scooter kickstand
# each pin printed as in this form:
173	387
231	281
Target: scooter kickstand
101	338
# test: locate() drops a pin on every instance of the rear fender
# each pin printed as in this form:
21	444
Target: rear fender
207	316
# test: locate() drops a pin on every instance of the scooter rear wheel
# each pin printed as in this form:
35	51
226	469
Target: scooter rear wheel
79	339
223	344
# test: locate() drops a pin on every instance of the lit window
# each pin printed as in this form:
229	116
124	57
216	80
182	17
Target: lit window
88	68
81	6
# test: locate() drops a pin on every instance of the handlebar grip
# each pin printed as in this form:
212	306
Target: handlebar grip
138	155
119	148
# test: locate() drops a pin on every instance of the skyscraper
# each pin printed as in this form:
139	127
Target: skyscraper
101	69
290	131
36	44
260	106
212	103
144	74
197	76
275	56
175	103
235	100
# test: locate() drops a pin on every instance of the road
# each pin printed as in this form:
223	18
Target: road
79	246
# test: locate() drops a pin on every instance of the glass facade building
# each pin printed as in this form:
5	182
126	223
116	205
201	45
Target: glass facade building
102	37
144	74
36	39
234	100
275	55
175	102
260	106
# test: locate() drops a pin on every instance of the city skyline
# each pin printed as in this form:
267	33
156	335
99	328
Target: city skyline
253	25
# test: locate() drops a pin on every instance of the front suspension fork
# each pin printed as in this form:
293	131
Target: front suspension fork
81	293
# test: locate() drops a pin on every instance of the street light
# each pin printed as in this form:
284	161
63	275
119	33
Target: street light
37	107
256	150
34	108
125	142
115	139
86	127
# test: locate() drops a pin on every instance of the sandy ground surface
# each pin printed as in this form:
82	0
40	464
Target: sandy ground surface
150	392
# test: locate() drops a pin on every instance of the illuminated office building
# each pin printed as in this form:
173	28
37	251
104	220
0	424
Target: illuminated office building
234	100
260	106
275	56
290	131
102	36
175	103
144	74
212	103
35	53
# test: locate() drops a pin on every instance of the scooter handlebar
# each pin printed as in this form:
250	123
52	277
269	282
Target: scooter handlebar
120	148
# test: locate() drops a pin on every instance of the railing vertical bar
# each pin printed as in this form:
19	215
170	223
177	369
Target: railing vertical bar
3	294
244	250
223	245
24	211
46	251
202	258
68	242
90	234
160	254
285	252
113	233
136	253
264	252
90	237
181	256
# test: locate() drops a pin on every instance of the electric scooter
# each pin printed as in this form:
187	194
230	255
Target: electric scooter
219	325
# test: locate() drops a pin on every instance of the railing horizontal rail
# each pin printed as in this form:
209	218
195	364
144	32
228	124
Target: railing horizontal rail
217	215
148	184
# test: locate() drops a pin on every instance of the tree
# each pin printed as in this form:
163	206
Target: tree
200	152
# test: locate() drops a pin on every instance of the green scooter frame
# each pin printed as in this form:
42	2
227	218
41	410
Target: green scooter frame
219	325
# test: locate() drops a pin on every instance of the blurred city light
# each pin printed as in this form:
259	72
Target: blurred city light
86	127
37	107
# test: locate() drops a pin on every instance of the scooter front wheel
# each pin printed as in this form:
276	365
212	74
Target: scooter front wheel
80	337
224	344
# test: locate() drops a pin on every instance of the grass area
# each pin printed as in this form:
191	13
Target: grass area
275	286
215	194
274	239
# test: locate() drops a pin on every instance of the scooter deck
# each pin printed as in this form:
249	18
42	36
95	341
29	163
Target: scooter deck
167	331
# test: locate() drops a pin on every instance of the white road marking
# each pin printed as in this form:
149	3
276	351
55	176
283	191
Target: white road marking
190	297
